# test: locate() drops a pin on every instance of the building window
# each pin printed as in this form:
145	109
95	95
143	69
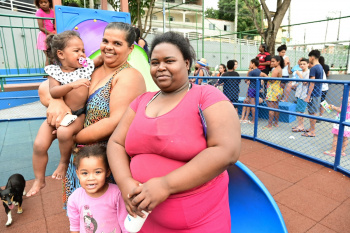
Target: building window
154	17
227	28
171	18
187	20
211	26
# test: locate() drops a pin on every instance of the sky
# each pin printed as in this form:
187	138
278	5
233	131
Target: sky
312	10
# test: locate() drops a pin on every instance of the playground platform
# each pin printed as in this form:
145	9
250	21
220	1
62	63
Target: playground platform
311	197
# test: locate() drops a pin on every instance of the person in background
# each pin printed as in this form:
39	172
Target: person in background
231	86
291	85
301	93
46	26
335	130
274	91
252	72
314	93
222	69
264	59
285	71
140	41
201	69
325	87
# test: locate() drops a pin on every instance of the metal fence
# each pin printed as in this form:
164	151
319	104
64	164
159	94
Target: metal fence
289	121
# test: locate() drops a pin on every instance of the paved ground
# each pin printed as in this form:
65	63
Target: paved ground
312	198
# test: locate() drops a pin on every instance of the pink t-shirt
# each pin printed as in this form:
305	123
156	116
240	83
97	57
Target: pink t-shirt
162	144
103	214
47	22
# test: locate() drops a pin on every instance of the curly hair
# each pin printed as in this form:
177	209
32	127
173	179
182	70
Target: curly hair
58	42
281	48
95	150
36	3
182	43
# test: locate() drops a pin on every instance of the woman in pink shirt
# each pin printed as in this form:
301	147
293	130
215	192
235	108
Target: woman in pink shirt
163	157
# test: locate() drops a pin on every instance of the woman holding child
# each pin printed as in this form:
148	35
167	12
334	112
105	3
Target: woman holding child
113	86
165	159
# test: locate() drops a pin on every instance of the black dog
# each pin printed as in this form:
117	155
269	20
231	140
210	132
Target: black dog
12	195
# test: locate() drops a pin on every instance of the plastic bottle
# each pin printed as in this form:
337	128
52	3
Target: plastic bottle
134	225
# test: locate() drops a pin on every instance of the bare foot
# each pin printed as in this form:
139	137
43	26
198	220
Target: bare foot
37	185
60	171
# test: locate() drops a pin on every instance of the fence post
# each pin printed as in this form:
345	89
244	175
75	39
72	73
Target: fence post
257	90
11	5
341	126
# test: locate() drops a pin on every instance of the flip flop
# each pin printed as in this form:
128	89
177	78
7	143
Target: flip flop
306	130
295	130
343	154
327	152
308	135
265	127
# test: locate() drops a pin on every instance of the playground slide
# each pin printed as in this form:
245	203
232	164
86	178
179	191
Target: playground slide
253	209
91	24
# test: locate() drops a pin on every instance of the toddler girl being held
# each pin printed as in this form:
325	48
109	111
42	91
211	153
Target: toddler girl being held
68	80
97	206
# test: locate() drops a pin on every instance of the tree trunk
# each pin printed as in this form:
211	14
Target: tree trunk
91	4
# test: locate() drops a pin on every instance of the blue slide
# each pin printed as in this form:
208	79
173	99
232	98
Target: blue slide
253	209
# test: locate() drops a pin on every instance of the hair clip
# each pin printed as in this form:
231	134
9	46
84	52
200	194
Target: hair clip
83	62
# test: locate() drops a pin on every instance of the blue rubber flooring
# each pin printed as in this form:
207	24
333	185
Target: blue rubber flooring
16	148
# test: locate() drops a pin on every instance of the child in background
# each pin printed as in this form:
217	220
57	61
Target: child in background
301	93
335	131
96	206
253	72
69	80
46	26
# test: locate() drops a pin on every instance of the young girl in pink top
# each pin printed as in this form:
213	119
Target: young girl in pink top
96	206
46	26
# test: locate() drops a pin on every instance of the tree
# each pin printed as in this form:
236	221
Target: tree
274	20
139	16
226	11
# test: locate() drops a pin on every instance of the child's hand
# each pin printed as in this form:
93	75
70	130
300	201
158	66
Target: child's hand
80	82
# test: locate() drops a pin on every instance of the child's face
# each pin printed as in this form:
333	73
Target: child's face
304	65
69	56
92	173
44	5
221	69
274	63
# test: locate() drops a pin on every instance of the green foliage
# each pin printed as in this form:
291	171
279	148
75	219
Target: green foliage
226	11
114	4
80	3
136	9
212	13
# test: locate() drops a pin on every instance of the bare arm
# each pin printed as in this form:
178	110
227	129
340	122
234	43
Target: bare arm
119	161
311	88
127	85
338	109
98	61
57	109
57	90
265	63
223	140
42	27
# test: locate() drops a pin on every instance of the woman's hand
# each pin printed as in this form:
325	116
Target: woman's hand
150	194
127	188
56	111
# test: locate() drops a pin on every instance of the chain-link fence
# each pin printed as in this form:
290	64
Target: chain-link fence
308	129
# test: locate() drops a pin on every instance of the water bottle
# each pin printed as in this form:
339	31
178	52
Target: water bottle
134	225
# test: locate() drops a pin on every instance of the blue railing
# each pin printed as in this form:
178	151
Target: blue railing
273	137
